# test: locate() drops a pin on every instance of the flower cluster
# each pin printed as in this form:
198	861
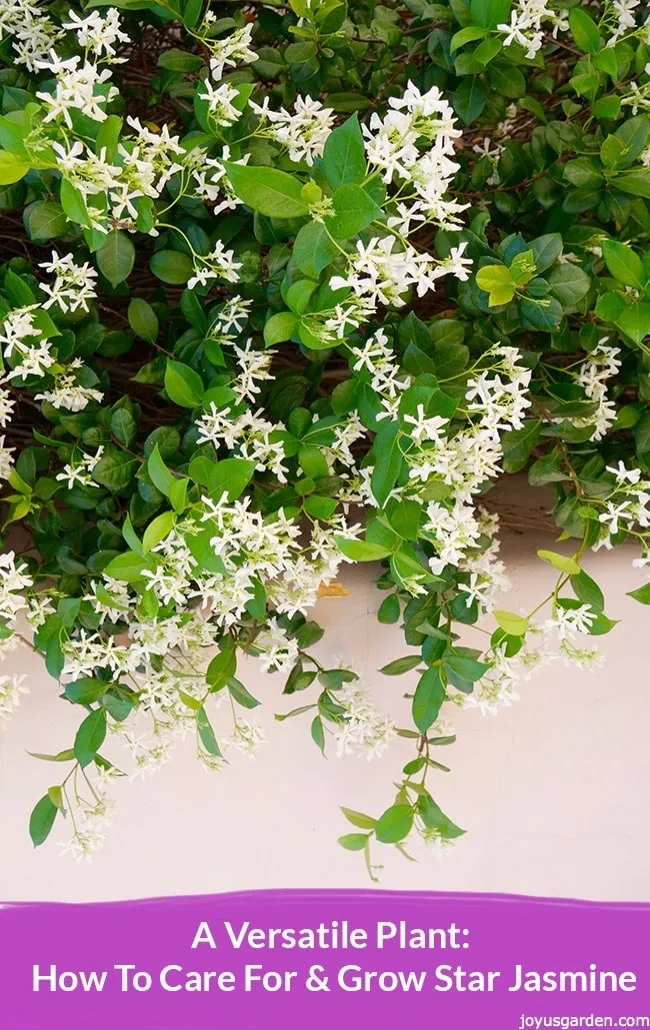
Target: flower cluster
526	25
282	306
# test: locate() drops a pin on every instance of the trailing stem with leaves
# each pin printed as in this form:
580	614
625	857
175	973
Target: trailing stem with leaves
286	286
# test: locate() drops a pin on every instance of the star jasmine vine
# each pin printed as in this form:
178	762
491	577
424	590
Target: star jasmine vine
289	287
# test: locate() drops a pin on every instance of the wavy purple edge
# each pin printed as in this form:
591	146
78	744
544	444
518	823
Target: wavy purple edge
343	894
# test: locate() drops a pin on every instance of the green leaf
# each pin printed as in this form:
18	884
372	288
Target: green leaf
12	168
601	625
636	182
85	691
468	669
623	148
281	326
623	263
115	469
361	550
405	519
487	50
635	321
62	756
17	291
127	567
170	266
363	822
206	733
159	474
354	841
55	794
123	426
435	819
584	30
231	476
354	210
546	250
388	462
189	701
344	156
90	737
545	315
241	695
267	190
466	35
74	206
116	257
518	445
313	249
108	136
394	825
299	294
401	665
42	820
183	385
606	107
610	306
313	462
569	284
547	469
178	495
44	220
428	698
585	172
522	267
320	507
497	281
513	625
507	80
142	319
641	594
607	61
389	610
318	733
561	562
470	97
221	668
490	13
588	591
158	530
180	61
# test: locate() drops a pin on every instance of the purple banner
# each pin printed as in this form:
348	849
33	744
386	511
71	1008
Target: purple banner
311	960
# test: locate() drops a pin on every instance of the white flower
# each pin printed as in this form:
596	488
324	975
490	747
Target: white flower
568	621
68	393
220	102
77	89
457	264
98	35
80	472
304	131
219	264
74	285
230	51
615	514
7	404
425	428
363	731
11	689
624	474
6	459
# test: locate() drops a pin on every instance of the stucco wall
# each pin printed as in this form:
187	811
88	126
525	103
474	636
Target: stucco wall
552	791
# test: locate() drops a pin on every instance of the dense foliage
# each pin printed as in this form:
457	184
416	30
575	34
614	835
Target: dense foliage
285	286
